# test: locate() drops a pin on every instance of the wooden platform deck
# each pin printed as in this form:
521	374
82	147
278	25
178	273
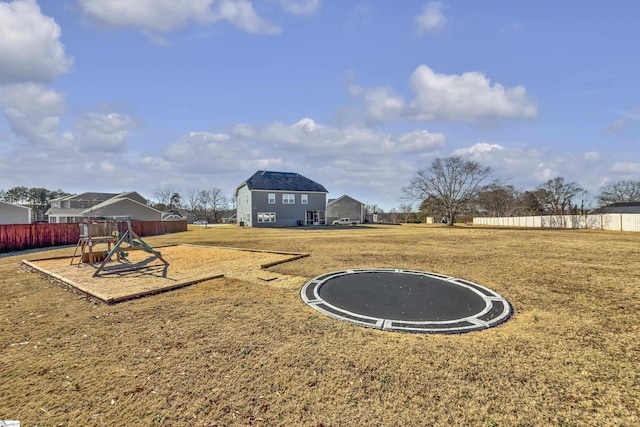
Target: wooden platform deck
188	264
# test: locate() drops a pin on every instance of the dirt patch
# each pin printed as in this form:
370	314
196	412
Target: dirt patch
144	274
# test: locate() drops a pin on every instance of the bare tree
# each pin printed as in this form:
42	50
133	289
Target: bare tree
451	184
558	196
620	192
215	200
192	199
164	196
531	203
405	210
497	199
586	201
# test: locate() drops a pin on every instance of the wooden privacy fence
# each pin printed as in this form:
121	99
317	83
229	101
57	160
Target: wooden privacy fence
613	222
15	237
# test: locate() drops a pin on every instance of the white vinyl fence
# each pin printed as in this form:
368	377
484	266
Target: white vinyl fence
615	222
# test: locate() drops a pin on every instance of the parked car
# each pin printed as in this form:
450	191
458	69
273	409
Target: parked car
201	222
345	221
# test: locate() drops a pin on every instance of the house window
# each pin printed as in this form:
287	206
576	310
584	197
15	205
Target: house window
288	199
266	217
304	199
272	198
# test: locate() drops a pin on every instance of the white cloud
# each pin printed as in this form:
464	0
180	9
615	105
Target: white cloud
321	142
431	19
103	132
242	131
466	97
382	104
626	168
478	150
241	14
300	7
616	126
204	151
628	118
30	45
164	16
361	16
593	156
340	158
154	15
527	168
33	112
419	141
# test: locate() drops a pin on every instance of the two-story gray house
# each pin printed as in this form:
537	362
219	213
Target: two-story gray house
280	199
345	207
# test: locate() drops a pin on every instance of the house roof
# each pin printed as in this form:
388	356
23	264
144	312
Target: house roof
113	201
621	208
89	196
14	205
332	201
229	214
282	181
133	195
64	211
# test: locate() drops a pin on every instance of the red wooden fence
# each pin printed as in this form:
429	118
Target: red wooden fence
16	237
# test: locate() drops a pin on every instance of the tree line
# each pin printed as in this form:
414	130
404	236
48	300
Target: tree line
208	204
451	187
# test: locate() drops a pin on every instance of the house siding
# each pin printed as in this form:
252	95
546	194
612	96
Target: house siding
13	214
252	200
287	215
128	208
345	207
243	206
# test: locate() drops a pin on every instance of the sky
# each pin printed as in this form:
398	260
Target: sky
121	95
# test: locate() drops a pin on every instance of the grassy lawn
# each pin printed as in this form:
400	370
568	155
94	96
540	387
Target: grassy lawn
233	352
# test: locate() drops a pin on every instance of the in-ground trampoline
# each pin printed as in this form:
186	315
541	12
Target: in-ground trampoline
406	300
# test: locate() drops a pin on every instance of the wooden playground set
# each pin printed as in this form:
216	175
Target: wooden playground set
95	236
111	263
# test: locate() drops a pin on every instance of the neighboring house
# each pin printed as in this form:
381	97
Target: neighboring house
178	215
345	207
78	207
229	217
70	208
171	216
280	199
124	208
618	208
133	195
14	214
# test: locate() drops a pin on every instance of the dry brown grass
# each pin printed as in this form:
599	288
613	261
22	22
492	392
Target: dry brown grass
242	352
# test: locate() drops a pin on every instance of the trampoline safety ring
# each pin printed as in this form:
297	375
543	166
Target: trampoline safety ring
406	301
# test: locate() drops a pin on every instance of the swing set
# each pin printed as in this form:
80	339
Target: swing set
118	242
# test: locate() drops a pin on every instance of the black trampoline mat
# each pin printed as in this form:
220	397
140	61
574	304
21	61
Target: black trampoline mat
406	300
401	296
